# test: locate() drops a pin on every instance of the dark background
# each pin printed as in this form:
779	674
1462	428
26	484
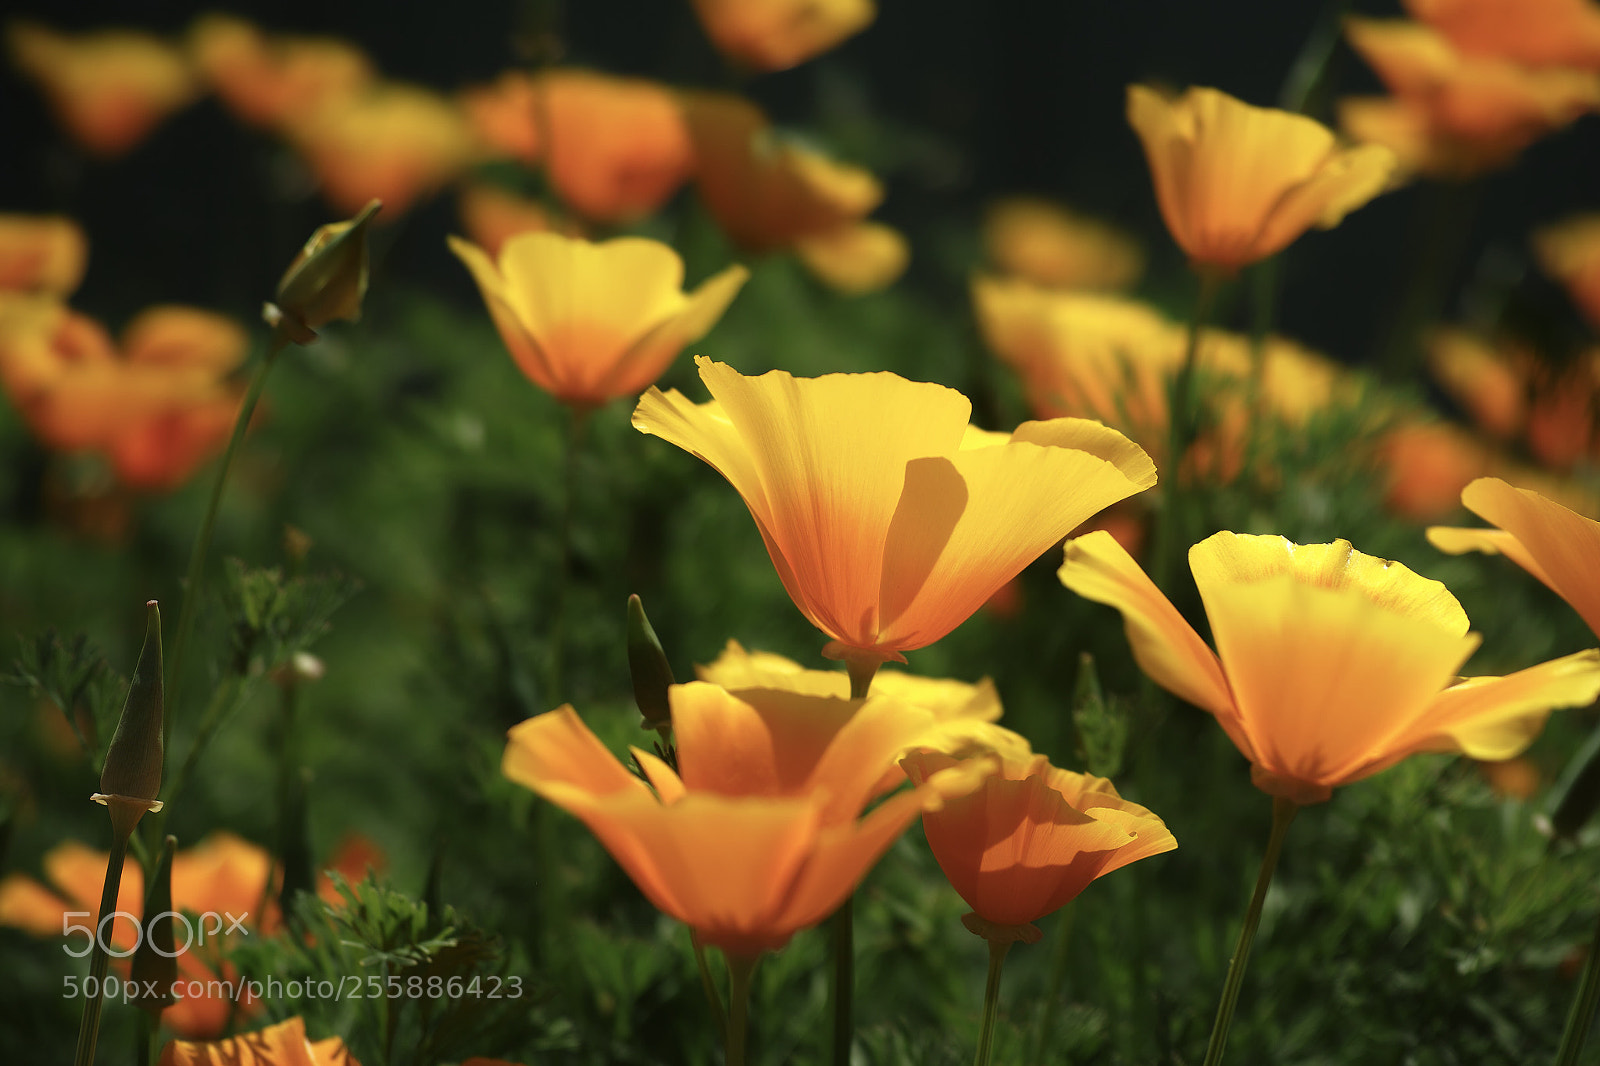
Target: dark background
953	102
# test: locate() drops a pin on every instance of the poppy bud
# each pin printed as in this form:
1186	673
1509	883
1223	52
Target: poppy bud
652	674
327	280
131	778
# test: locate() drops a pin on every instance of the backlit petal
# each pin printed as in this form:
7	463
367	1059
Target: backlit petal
1564	544
652	353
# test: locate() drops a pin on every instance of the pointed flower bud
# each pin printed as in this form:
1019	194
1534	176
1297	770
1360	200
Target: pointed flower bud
155	965
651	671
131	779
327	280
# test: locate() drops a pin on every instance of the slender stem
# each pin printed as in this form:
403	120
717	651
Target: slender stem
862	671
991	1000
1283	812
841	992
739	970
145	1049
1046	1026
1181	433
572	439
1583	1007
706	983
89	1028
194	583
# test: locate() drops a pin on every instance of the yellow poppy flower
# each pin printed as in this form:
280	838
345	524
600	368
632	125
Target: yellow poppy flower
857	258
1553	543
1468	112
1038	241
889	518
109	88
759	833
1238	183
41	253
283	1044
1331	665
591	322
1569	251
779	34
1032	837
1562	33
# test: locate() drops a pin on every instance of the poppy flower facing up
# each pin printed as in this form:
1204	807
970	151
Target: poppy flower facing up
779	34
41	253
156	408
1331	665
889	518
1553	543
589	322
283	1044
759	833
1031	838
109	88
1238	183
1453	114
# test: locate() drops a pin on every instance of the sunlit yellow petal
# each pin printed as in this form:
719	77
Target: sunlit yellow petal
649	356
1459	541
1564	544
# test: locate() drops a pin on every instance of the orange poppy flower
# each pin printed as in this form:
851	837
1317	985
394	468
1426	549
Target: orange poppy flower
1562	33
1331	665
109	88
767	192
779	34
1038	241
759	833
1553	543
1569	251
591	322
505	116
267	79
492	215
392	142
223	874
1238	183
41	253
156	408
1426	465
283	1044
1031	838
888	517
1465	113
964	715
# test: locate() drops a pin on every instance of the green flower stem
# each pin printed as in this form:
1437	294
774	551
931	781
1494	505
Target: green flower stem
89	1027
862	671
706	983
195	582
841	992
1583	1007
991	1000
739	970
1046	1025
1180	434
1283	812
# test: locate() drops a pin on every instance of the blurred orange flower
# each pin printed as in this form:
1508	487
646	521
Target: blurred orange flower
283	1044
1041	242
1331	665
1569	251
392	142
1537	32
156	408
779	34
505	116
1426	464
1454	114
41	253
223	874
1513	394
589	322
759	833
1553	543
492	215
769	193
109	88
618	147
889	518
1238	183
268	79
1031	838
